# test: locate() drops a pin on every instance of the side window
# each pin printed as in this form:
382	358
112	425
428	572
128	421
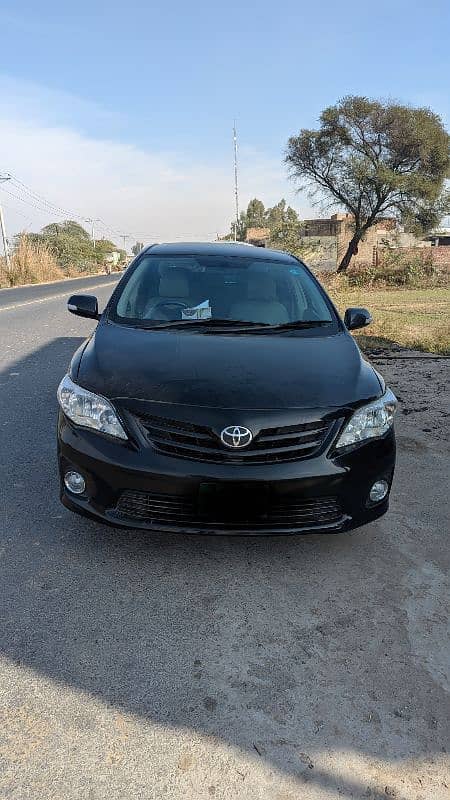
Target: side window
141	286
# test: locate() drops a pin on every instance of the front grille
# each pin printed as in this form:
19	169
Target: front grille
165	511
269	446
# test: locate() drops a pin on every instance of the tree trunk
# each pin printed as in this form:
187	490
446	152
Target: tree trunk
352	249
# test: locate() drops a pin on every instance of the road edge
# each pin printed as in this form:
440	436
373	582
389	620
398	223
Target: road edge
61	280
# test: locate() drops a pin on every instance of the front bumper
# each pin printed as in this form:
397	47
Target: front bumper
134	488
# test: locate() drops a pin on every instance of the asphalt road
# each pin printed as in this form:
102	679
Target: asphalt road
138	666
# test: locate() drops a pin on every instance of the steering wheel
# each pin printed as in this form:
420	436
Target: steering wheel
161	304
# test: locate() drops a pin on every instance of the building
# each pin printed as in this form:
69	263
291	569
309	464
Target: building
332	236
258	236
439	238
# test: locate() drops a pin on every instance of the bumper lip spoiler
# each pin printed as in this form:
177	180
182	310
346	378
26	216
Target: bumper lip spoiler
213	530
110	517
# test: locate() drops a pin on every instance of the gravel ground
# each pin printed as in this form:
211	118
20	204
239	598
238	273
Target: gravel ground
155	667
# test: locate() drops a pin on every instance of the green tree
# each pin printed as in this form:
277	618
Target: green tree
253	217
67	228
256	214
375	159
280	214
137	247
103	249
71	245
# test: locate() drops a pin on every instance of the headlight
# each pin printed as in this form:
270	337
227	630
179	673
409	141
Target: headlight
88	409
369	422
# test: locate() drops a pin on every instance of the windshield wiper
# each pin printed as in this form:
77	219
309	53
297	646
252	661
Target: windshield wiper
299	324
203	323
236	325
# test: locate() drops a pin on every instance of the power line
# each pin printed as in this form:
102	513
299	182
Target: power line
24	194
18	211
44	211
42	200
47	207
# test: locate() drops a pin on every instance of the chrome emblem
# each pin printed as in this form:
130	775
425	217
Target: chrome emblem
236	436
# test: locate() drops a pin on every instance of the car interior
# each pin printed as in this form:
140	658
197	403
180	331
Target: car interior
256	293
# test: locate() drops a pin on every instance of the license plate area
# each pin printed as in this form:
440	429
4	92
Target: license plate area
233	502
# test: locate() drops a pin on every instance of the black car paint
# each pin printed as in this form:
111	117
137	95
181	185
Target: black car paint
226	371
219	380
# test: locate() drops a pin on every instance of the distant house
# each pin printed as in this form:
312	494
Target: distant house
332	236
258	236
113	258
439	238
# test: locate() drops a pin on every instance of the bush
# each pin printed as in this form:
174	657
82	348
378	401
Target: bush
397	270
30	263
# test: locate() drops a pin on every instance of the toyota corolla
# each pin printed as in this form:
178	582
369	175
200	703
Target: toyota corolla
222	393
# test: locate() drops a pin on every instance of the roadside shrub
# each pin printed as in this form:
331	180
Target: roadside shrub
398	270
30	263
413	269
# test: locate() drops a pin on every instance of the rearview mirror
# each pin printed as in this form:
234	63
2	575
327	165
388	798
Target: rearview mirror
357	318
83	305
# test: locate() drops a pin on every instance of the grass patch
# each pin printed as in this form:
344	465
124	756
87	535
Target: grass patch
414	318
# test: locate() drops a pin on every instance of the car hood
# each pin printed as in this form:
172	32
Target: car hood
226	371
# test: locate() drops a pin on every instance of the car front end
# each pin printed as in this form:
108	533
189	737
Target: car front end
171	468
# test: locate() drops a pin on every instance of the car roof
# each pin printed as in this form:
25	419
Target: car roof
218	249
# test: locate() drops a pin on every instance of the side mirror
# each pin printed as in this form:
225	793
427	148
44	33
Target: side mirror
83	305
357	318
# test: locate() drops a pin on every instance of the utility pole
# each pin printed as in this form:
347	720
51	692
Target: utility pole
5	177
125	236
236	189
93	221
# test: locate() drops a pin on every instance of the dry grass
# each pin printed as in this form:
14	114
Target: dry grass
415	318
30	263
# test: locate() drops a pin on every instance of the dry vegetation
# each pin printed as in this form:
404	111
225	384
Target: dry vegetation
414	318
34	262
30	263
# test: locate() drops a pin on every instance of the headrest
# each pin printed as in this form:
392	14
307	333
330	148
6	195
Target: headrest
262	287
174	283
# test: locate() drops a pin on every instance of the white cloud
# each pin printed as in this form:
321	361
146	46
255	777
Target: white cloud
154	196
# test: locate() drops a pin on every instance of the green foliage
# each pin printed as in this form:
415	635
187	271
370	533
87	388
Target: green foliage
137	247
277	219
375	159
285	228
72	246
397	270
283	223
255	216
66	228
281	214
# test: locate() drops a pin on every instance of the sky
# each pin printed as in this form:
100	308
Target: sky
124	112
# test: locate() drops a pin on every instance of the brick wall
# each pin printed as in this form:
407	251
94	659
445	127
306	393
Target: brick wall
385	233
381	231
441	256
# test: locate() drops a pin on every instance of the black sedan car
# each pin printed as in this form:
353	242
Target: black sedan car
222	393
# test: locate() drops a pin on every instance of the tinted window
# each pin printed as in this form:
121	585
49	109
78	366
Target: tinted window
219	287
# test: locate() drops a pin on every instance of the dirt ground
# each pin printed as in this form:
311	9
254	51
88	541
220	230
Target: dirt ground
421	382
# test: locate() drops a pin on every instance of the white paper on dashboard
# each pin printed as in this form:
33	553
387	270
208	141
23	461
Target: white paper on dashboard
200	311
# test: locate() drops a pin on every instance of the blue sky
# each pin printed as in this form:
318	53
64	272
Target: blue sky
124	111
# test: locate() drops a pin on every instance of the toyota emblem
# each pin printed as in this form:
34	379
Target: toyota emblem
236	436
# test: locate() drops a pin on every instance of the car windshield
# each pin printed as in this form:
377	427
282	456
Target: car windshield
183	289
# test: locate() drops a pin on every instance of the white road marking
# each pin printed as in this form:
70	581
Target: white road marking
52	296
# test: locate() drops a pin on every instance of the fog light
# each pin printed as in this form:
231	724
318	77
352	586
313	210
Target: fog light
379	491
74	482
